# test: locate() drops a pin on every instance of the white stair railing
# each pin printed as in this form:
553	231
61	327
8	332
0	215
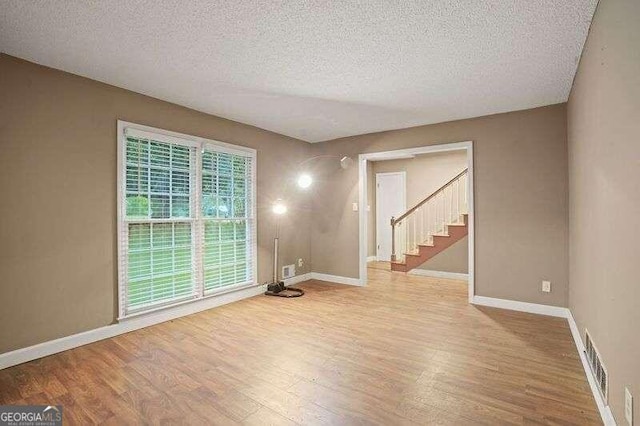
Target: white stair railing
429	217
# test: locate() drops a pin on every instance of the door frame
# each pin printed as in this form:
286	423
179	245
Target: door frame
402	174
410	153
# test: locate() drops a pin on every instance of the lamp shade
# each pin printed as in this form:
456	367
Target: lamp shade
279	207
304	181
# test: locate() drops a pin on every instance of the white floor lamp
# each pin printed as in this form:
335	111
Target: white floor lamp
277	288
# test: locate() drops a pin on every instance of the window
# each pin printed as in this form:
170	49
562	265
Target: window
186	218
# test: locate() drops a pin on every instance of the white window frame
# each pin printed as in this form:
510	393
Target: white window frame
200	144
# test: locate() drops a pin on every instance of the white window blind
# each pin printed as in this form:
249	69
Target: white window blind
186	218
226	188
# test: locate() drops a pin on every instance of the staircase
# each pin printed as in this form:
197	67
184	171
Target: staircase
431	226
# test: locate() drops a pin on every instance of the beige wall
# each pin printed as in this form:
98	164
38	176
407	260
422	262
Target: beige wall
453	259
424	175
520	195
58	190
604	173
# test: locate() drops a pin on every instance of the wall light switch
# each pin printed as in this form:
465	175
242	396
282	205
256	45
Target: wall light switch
355	207
628	406
546	286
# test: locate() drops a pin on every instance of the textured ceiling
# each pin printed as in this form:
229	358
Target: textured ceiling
314	70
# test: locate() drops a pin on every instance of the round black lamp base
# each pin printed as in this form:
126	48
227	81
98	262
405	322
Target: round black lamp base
281	290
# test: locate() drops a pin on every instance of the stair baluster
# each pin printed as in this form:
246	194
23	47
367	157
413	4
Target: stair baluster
412	234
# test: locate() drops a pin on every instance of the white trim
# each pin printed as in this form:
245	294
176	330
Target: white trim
168	136
362	218
134	132
335	279
362	200
386	156
297	279
9	359
200	144
557	311
514	305
254	216
322	277
471	222
372	258
19	356
605	410
403	175
439	274
120	213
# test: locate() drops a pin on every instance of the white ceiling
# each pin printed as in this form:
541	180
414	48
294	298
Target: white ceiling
314	70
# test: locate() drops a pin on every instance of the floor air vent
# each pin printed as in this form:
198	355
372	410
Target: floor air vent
597	367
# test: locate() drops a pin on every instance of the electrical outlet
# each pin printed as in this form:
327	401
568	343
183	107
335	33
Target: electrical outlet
354	206
546	286
300	263
628	406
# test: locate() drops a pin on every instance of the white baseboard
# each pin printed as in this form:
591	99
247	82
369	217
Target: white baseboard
556	311
439	274
18	356
335	279
372	258
532	308
298	279
322	277
605	410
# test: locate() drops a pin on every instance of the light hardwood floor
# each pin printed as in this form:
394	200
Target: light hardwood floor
404	350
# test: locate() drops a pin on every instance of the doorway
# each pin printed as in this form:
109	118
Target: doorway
391	201
365	160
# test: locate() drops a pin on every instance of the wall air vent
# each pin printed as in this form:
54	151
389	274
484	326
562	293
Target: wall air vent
597	367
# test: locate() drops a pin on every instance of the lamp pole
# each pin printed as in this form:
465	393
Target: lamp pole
277	288
275	252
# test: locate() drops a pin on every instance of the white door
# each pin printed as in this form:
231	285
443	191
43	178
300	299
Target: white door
390	201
